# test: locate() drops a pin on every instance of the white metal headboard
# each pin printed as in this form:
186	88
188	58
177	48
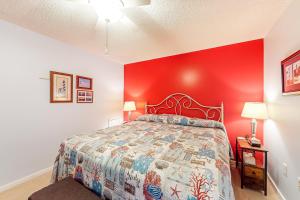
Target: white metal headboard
179	101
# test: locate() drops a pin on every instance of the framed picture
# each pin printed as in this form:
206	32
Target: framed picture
85	96
290	69
61	87
84	83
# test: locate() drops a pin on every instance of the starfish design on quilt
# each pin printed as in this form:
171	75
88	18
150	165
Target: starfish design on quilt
175	191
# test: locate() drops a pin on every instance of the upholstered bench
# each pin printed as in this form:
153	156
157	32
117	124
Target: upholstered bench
67	189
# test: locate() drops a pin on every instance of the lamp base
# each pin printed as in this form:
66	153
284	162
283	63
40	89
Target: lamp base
129	116
254	142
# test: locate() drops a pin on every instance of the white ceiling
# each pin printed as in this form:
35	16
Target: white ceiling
166	27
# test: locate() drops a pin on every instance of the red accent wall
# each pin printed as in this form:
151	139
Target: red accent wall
232	74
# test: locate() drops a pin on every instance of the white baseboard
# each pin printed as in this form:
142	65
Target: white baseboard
25	179
273	183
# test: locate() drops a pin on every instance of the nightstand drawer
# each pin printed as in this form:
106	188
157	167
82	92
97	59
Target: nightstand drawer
254	172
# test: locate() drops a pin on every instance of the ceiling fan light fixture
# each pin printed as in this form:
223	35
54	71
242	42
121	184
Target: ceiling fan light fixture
131	3
108	9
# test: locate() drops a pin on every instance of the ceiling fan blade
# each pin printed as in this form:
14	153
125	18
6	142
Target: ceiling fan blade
127	3
131	3
79	1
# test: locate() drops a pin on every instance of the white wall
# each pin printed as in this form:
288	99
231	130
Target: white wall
282	132
31	128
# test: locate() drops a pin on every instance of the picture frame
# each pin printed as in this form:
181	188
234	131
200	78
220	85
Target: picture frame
61	87
83	82
85	96
290	70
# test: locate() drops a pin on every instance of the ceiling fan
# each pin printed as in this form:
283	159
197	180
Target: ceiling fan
126	3
111	10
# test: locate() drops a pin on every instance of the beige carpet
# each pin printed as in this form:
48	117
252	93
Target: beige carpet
24	190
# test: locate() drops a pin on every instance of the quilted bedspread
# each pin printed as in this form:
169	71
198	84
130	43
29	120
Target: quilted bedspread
155	157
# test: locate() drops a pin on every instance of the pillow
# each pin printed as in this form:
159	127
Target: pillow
185	121
153	118
181	120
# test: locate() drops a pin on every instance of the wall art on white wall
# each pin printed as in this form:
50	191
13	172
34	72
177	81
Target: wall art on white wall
291	74
61	87
84	83
85	96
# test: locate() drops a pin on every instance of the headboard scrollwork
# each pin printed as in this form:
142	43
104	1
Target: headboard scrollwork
177	102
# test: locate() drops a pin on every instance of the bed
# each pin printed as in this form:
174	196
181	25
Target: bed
157	156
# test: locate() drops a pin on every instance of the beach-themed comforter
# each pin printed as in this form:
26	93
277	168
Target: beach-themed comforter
155	157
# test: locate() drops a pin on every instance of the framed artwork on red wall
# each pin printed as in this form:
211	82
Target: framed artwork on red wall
290	69
85	96
84	83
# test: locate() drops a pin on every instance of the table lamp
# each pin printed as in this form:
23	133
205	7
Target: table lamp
254	110
129	106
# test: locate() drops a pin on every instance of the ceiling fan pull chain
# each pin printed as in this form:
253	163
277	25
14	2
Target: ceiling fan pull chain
106	51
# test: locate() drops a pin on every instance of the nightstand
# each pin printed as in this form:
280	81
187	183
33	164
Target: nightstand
254	174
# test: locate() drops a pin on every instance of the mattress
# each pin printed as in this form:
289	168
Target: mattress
154	157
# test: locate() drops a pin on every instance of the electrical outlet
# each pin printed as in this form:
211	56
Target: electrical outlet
285	169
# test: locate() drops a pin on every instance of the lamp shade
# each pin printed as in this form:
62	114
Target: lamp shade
129	106
255	110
